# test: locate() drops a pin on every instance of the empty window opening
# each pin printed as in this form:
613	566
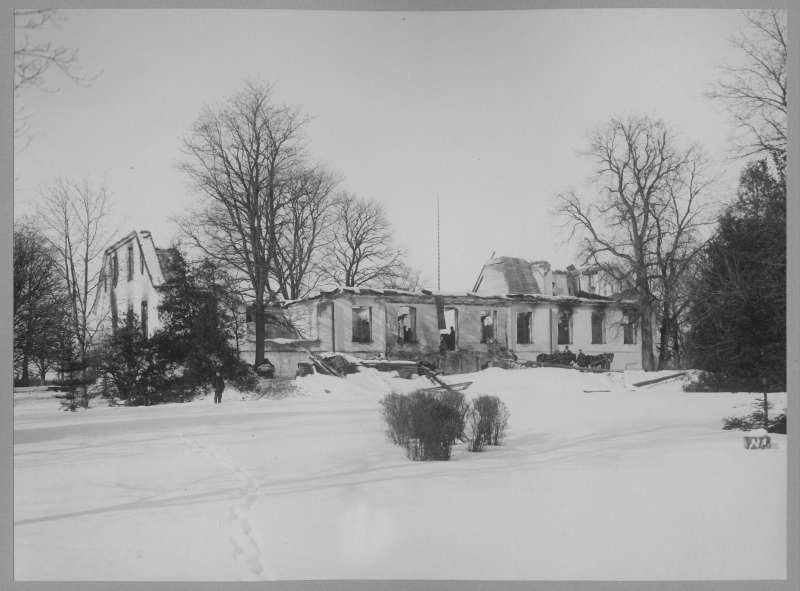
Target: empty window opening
524	328
448	337
114	270
130	263
141	261
598	328
629	330
407	324
144	319
565	328
114	314
362	324
277	325
488	321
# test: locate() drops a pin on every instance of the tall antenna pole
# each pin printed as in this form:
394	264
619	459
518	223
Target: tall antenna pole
438	249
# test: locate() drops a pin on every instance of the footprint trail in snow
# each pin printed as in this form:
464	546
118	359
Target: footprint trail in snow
244	545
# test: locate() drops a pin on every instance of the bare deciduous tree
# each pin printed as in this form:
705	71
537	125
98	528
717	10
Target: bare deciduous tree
243	157
39	301
33	58
362	250
405	278
77	218
302	231
755	93
644	224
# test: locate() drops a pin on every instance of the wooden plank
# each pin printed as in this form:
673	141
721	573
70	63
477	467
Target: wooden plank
456	387
321	364
655	381
432	376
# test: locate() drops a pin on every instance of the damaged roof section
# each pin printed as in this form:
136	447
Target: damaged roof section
464	297
509	275
165	258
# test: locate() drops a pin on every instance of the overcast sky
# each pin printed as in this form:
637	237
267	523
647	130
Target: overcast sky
486	109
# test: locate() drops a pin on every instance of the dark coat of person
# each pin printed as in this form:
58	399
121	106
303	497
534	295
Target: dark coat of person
444	344
218	384
581	360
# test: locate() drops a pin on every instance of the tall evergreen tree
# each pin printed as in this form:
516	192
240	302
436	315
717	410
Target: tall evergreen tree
198	327
738	320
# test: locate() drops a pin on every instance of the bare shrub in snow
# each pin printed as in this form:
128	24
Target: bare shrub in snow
458	402
434	427
425	423
397	416
487	420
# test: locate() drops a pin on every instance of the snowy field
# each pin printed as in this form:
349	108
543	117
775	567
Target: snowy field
625	484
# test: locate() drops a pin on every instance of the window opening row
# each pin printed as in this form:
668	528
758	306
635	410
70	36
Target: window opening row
114	270
407	327
565	329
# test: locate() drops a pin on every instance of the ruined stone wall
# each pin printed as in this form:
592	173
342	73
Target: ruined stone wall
343	321
471	353
541	328
427	329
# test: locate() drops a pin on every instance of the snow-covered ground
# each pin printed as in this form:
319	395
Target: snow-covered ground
624	484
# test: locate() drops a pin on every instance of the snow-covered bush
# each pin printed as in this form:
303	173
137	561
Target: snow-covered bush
754	421
487	422
719	382
425	423
275	389
243	377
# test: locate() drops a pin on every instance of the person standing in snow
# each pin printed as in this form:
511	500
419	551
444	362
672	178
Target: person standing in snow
581	358
219	385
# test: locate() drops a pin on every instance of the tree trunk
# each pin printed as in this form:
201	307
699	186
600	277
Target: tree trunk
260	332
84	385
663	349
677	349
24	376
648	361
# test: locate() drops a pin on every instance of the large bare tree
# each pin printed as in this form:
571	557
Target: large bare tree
682	230
754	91
644	222
78	219
303	230
362	250
246	161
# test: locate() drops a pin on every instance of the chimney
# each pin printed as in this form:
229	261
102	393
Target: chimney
145	234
